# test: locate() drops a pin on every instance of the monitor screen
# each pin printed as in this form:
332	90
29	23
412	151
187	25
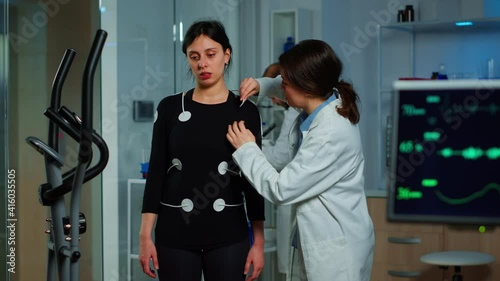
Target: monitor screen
445	152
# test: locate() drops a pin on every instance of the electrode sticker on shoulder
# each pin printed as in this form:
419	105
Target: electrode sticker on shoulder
184	116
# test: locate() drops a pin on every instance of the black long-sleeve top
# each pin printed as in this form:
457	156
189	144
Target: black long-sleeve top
200	145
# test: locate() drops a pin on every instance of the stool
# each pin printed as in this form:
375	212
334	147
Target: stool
457	259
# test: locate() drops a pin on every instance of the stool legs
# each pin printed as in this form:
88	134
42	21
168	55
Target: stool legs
457	276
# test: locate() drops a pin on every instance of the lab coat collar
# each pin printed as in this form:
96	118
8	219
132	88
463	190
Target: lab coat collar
306	120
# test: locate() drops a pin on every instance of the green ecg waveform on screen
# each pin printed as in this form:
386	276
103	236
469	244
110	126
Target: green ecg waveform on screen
473	196
492	109
429	182
409	147
471	153
433	99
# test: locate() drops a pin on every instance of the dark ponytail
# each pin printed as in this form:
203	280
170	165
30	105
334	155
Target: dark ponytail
315	68
350	101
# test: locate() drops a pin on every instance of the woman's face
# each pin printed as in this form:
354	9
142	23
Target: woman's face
207	60
294	96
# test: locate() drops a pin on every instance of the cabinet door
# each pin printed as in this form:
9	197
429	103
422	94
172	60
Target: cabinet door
295	23
386	272
405	248
470	239
399	246
134	217
378	212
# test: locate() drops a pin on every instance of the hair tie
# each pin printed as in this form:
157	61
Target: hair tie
335	92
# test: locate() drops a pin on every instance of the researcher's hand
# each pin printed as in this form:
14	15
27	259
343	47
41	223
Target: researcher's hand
147	251
255	258
248	87
238	134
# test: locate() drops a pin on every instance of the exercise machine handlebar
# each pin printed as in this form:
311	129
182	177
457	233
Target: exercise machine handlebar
63	243
87	99
55	101
80	129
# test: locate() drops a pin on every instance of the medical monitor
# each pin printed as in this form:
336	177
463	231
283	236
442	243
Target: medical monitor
445	152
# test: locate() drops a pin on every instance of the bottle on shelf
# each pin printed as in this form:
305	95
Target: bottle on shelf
491	68
401	16
410	13
288	44
442	73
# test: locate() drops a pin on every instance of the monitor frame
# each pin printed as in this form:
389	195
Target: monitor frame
401	86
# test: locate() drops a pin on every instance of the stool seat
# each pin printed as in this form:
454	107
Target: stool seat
457	258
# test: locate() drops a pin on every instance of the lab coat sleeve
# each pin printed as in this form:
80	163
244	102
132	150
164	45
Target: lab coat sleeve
279	153
297	182
325	156
270	87
284	224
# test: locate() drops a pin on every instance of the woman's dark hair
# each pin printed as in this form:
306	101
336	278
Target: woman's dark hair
312	66
211	28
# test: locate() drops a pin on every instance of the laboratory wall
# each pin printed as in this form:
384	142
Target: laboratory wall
4	144
38	35
142	62
351	29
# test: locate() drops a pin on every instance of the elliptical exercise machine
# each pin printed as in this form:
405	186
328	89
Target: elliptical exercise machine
64	230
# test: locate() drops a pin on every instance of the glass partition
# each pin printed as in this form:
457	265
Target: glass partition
142	63
4	145
37	33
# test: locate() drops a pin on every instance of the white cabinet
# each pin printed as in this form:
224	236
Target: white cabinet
135	191
415	50
296	23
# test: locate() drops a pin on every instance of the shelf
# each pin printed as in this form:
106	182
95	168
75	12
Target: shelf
415	49
137	181
135	189
483	24
270	246
296	23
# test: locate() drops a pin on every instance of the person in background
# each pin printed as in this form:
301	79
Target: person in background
324	181
194	191
275	151
272	71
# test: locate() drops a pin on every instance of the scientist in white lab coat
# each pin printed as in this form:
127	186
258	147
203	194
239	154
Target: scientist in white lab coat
324	179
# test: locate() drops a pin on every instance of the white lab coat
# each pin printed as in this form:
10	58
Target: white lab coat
279	154
325	183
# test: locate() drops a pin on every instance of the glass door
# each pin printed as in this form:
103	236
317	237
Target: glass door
34	35
4	144
142	63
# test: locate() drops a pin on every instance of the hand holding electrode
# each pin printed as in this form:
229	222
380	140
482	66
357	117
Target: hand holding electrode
248	87
238	134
